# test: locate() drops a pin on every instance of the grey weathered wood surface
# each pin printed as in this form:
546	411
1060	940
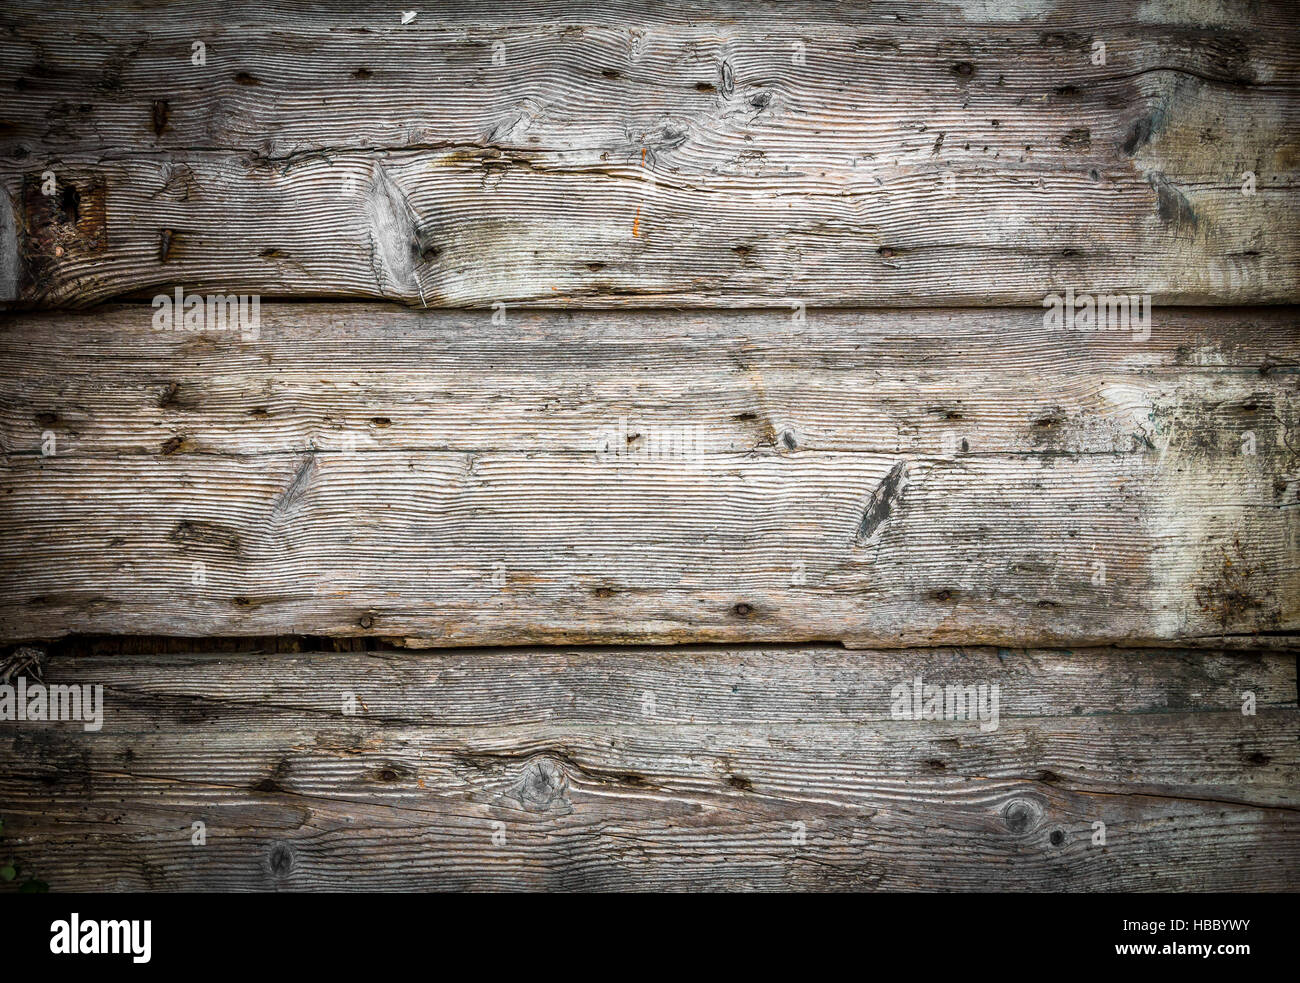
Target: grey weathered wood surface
684	768
637	153
947	472
930	477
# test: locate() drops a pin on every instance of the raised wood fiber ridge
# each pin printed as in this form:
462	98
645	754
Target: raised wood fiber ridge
892	154
883	479
683	769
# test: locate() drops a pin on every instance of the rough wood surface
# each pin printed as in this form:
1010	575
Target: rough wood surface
632	153
713	323
689	768
880	479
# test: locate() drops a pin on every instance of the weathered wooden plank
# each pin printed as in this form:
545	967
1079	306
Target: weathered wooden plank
320	376
864	154
694	768
882	479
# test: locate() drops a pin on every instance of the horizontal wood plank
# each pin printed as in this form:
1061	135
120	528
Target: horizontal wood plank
558	154
880	479
691	768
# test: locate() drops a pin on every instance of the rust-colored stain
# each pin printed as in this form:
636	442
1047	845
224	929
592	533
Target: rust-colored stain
1231	598
65	226
636	219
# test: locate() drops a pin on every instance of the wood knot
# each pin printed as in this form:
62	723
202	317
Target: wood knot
543	786
280	859
1022	815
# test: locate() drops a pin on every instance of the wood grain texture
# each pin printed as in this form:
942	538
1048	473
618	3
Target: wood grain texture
679	769
703	322
624	154
883	479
